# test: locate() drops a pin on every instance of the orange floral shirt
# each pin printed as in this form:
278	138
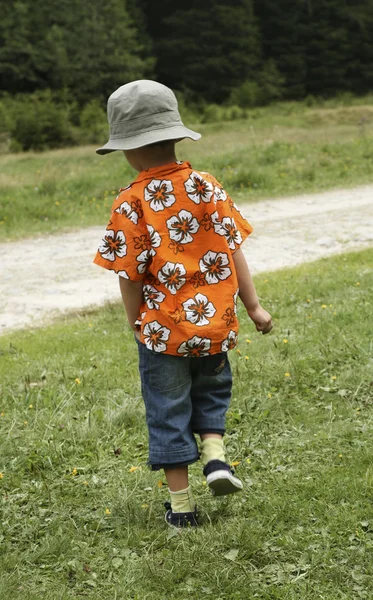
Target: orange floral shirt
176	229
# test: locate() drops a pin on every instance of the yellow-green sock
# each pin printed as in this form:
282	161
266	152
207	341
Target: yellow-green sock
212	449
182	501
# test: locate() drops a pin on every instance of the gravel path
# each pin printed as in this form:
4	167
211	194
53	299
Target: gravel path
42	277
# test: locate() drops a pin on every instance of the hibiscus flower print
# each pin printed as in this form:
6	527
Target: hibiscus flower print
198	279
123	274
155	336
153	297
228	228
175	247
178	316
214	266
113	245
143	259
198	189
142	242
172	275
230	342
195	347
126	209
198	309
207	222
229	316
235	296
181	227
155	238
219	194
158	193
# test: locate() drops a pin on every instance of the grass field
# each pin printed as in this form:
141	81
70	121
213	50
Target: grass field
282	150
82	515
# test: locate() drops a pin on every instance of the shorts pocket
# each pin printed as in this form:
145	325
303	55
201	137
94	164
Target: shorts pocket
166	372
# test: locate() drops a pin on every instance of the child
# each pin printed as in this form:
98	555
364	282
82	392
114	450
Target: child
174	239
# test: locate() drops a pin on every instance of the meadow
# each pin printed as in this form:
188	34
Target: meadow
82	515
285	149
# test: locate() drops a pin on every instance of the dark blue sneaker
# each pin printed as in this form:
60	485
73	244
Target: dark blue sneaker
220	478
184	519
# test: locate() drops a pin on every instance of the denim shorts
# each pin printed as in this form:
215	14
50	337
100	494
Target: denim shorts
182	396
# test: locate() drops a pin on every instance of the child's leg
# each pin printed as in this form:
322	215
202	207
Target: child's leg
182	500
166	384
211	397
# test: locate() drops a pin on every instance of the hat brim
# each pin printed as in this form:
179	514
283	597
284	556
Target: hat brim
149	137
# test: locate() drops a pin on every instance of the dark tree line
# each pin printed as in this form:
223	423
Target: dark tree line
246	51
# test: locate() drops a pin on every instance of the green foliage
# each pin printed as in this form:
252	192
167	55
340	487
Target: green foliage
207	47
93	122
86	47
79	521
38	122
246	95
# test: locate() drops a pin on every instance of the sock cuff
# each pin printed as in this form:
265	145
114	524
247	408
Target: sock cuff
186	491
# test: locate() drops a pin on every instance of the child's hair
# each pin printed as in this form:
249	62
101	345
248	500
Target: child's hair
164	144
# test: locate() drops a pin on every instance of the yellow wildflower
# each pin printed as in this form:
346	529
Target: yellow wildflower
145	506
247	357
323	306
238	351
2	414
74	472
30	406
107	511
248	341
133	469
340	455
248	460
269	395
77	381
285	341
85	482
160	483
1	475
308	300
25	422
334	377
287	374
235	463
357	283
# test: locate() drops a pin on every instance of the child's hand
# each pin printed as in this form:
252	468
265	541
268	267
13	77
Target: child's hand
261	318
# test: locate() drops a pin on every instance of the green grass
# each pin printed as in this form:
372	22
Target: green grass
282	150
303	528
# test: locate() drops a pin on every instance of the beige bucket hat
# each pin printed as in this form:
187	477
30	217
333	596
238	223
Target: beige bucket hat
143	112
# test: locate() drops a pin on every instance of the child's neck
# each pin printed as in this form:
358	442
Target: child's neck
157	160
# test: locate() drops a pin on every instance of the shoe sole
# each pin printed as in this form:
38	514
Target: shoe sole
222	483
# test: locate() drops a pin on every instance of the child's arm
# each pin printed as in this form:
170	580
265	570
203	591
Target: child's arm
132	296
247	293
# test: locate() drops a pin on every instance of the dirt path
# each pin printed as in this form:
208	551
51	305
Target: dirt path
42	277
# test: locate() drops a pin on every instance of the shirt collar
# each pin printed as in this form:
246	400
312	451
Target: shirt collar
162	171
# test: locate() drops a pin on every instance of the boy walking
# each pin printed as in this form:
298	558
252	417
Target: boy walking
174	239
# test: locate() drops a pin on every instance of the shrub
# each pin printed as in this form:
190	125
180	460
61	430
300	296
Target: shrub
245	96
93	122
39	123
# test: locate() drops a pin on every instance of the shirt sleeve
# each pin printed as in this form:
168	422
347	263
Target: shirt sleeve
228	219
125	247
